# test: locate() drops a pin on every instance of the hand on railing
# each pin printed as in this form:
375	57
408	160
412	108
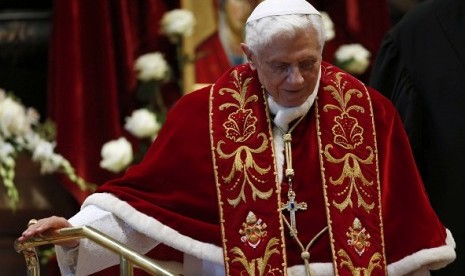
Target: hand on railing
56	230
48	226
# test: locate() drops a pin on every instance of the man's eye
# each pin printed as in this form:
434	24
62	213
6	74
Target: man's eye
279	67
307	65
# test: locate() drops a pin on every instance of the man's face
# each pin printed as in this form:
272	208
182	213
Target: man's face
288	67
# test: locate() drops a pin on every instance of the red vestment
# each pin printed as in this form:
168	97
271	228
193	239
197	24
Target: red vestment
175	187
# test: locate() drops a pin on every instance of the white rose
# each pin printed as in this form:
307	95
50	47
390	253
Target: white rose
44	153
328	26
142	124
51	164
13	120
354	58
152	66
177	23
116	155
43	150
31	140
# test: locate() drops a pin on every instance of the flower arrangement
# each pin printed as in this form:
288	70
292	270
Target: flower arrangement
152	71
353	58
177	24
22	132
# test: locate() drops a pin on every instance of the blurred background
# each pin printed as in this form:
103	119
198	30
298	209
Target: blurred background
73	61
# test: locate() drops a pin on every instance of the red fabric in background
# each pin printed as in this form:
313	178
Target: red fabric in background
91	78
355	21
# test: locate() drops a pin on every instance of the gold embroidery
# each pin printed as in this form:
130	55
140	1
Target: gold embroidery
360	271
253	230
348	156
260	264
358	237
240	126
348	135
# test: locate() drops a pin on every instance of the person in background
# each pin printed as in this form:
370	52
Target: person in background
222	50
285	165
421	68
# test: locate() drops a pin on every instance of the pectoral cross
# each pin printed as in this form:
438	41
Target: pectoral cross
290	205
293	207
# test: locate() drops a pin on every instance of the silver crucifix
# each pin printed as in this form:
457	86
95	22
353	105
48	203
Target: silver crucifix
293	207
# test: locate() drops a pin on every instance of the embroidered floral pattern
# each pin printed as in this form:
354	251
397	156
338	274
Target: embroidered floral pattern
348	135
347	132
375	262
258	266
240	126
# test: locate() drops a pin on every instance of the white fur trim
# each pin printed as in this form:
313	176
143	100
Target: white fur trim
421	261
154	229
431	259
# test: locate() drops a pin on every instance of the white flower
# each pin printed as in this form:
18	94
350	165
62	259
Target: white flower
13	119
43	150
6	150
152	66
328	25
51	164
177	23
142	124
353	58
31	140
116	155
18	134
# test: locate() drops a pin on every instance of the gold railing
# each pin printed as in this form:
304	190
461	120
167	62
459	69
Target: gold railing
128	258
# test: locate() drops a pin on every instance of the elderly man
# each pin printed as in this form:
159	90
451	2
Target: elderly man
285	166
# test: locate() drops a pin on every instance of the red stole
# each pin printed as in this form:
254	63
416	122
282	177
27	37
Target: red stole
248	189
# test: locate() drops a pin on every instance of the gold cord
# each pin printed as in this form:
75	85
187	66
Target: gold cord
305	255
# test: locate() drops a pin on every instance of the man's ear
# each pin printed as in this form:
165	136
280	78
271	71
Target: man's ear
250	57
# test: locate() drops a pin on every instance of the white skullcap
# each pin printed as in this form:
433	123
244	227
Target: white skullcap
281	7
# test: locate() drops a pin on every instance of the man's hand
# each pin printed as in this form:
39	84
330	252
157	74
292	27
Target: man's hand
48	226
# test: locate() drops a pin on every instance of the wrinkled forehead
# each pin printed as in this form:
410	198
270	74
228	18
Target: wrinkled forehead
287	47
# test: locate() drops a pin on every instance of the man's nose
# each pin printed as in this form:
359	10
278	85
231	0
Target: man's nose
294	74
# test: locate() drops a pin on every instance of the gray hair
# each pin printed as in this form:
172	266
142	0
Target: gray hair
260	32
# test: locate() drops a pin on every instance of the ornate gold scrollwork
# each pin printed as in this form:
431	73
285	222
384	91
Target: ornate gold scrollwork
360	271
348	134
240	126
258	266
